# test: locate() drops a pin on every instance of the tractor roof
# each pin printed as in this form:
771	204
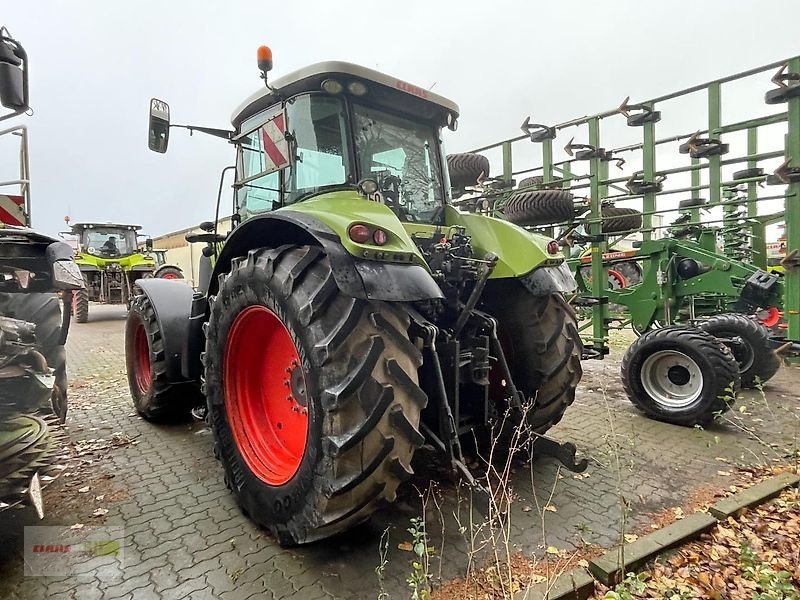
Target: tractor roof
82	226
382	89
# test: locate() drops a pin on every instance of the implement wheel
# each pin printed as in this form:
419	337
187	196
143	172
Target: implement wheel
543	207
680	375
313	395
154	398
466	168
540	339
749	346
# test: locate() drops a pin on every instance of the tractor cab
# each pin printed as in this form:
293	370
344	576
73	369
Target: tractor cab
337	126
106	240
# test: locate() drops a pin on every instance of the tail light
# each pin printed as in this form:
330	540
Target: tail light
359	234
379	237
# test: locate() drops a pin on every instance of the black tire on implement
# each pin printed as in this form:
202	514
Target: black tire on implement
466	168
44	310
757	362
543	207
679	375
363	397
80	305
154	398
540	339
616	219
555	182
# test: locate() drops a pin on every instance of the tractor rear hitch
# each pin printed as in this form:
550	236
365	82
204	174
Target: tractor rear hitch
783	347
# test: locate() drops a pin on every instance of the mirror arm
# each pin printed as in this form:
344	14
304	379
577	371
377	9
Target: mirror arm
221	133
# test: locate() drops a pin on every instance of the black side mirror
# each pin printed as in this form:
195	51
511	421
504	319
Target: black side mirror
148	244
207	226
158	138
13	74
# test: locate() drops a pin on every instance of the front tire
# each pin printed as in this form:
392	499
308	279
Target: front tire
80	305
313	396
680	375
757	362
154	397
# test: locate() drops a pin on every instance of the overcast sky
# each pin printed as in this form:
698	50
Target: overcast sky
96	64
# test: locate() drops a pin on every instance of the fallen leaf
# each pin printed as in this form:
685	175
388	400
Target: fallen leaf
552	550
678	512
631	537
724	473
100	497
84	489
551	508
526	508
77	526
537	579
583	563
405	547
100	512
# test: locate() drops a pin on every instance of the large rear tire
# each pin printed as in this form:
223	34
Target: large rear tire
680	375
80	305
540	339
313	396
757	362
154	397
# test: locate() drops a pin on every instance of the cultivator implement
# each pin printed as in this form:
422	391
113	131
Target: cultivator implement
697	205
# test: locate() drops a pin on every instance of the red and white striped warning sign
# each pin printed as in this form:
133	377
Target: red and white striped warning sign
12	210
276	147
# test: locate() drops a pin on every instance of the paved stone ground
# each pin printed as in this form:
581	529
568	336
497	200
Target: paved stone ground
185	537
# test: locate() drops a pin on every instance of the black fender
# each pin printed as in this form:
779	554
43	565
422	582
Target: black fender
367	279
174	303
544	281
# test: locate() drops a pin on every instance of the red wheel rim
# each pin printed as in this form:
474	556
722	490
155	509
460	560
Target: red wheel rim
618	277
169	276
141	359
771	317
265	395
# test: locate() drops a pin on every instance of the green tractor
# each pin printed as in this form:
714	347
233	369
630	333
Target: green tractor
353	314
111	263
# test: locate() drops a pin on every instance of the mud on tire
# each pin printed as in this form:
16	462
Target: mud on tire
363	397
680	375
539	335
